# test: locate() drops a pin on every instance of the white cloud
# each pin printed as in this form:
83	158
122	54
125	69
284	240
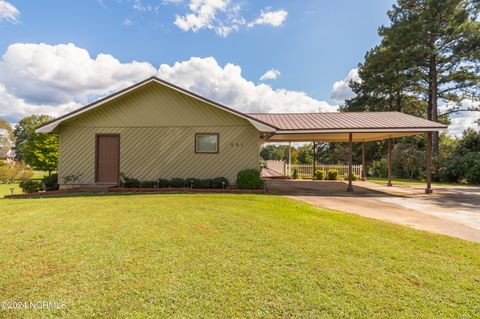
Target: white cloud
271	74
227	85
58	74
127	22
462	120
341	91
272	18
8	12
55	79
223	16
204	15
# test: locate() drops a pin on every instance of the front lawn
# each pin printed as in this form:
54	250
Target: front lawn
5	189
225	256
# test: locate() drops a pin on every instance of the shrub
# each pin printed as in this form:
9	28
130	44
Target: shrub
220	182
51	182
147	184
249	179
354	177
23	171
130	182
163	183
332	174
319	174
177	182
30	186
10	172
193	182
7	174
204	183
295	173
378	168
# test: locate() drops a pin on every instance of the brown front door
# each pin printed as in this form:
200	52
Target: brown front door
108	158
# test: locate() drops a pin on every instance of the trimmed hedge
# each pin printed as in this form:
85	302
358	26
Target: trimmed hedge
249	179
319	174
218	182
31	186
51	182
177	183
332	174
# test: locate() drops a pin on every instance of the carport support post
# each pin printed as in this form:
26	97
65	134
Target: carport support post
428	159
314	165
289	159
389	162
364	175
350	160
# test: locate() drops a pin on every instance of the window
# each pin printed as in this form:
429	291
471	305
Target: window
206	143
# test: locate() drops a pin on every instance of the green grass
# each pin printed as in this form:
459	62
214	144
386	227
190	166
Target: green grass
39	174
404	181
5	190
223	256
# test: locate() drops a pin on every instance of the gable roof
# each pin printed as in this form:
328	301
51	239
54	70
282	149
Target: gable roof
51	125
286	123
347	121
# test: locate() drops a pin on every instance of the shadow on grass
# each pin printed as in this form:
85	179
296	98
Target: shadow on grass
322	188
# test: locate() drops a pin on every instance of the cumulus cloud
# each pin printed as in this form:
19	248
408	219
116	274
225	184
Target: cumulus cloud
8	12
227	85
204	14
462	120
271	74
272	18
341	91
55	79
223	16
58	74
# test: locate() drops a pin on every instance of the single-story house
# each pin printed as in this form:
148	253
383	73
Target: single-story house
155	129
7	156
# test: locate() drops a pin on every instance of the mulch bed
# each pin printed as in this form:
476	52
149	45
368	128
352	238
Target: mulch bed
143	190
185	190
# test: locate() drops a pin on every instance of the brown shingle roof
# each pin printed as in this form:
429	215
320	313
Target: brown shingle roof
345	120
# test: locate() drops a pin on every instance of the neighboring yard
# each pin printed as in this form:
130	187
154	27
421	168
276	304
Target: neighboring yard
400	181
226	256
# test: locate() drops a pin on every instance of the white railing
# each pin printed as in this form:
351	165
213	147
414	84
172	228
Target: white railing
277	166
306	170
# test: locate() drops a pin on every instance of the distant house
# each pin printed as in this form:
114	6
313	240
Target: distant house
155	129
7	156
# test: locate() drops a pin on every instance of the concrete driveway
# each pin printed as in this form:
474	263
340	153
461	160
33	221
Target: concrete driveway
451	211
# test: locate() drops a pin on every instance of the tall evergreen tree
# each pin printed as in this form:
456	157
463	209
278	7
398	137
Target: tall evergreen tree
439	41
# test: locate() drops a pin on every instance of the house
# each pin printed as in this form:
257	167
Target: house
155	129
7	156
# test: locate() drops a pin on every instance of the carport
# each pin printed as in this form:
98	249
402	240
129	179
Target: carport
352	127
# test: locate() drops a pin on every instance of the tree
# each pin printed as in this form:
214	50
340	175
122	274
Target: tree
305	154
6	136
386	84
464	162
439	41
38	150
24	129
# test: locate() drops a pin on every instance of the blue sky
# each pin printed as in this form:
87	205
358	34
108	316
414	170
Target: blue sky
308	44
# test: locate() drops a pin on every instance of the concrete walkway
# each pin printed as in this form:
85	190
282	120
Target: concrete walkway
451	211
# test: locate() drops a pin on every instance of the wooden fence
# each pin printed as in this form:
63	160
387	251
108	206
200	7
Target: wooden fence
306	170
